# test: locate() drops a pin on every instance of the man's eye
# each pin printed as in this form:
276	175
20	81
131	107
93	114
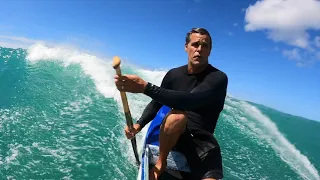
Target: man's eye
195	44
203	44
206	45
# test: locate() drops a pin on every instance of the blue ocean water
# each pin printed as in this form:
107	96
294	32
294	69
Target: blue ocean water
61	117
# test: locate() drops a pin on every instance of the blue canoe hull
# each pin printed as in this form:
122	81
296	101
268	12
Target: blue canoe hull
151	146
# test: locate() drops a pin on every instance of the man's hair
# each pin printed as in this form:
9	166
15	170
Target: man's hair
201	31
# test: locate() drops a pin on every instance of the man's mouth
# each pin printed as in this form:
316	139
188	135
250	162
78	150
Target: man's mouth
197	56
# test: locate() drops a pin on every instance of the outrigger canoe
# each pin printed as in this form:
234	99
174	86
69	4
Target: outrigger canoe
176	161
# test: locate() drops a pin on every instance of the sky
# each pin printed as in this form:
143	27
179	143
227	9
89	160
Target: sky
270	49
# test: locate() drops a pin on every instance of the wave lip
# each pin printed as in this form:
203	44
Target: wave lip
98	69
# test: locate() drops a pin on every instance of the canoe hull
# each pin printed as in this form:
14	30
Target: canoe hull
176	161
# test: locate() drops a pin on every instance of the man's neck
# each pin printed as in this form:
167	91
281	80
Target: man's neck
196	70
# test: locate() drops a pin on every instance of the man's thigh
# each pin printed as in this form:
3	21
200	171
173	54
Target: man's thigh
209	165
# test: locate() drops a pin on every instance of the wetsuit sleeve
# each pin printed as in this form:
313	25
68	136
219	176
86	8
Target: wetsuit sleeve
213	89
153	107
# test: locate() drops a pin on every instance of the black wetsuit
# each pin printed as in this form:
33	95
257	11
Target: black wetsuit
202	97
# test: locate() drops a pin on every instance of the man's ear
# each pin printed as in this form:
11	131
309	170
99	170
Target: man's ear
185	47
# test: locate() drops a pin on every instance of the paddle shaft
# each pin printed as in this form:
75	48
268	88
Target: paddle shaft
128	118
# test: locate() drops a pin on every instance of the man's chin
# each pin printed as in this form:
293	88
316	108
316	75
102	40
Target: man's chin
197	62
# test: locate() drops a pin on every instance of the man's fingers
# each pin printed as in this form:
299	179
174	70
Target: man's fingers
130	133
126	77
127	133
120	83
127	130
123	77
130	76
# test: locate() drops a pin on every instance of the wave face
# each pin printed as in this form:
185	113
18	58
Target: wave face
61	117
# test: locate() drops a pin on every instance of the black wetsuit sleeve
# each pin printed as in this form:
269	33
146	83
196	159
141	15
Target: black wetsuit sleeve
212	89
153	107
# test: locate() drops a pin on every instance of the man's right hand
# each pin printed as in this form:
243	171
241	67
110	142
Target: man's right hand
130	133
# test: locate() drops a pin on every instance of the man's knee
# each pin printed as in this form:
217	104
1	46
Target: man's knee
177	115
176	120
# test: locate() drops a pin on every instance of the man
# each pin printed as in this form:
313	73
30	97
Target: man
196	93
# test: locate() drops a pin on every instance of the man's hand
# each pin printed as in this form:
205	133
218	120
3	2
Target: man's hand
130	83
131	133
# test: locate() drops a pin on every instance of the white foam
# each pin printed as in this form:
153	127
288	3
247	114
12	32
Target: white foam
13	153
75	106
263	128
99	70
102	73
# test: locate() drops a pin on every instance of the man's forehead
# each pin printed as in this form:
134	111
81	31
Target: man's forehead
199	37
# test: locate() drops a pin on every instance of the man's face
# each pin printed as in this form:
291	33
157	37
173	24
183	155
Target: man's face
198	49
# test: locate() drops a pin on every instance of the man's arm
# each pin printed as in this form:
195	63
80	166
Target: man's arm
153	107
149	113
212	89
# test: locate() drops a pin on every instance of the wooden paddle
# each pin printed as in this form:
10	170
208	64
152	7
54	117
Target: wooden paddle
116	66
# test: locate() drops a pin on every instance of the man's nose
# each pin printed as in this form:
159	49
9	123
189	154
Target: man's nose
199	48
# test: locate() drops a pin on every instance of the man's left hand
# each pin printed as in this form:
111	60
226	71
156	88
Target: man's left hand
130	83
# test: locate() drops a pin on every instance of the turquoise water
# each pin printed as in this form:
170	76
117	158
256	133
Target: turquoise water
61	118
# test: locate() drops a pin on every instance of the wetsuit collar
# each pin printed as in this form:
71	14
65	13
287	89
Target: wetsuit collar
197	74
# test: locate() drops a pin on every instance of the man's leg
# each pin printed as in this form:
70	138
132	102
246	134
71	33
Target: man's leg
172	127
212	163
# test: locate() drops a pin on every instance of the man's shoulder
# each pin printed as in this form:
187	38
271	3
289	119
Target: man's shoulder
181	68
217	76
178	70
217	72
